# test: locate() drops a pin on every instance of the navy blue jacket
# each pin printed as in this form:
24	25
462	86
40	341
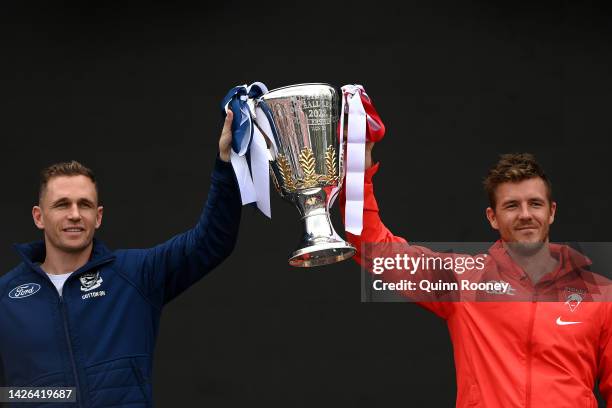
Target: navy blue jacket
100	335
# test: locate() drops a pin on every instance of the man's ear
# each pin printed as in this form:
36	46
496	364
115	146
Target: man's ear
553	211
99	216
492	218
37	216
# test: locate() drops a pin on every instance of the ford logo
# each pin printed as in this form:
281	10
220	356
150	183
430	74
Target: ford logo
25	290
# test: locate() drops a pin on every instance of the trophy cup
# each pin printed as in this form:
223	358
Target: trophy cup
300	125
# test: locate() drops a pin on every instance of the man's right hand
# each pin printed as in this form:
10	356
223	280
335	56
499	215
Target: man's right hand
368	154
225	141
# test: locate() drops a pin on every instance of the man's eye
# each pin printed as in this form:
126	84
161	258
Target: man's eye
62	205
509	206
536	204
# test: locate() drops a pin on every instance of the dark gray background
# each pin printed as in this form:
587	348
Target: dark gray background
133	92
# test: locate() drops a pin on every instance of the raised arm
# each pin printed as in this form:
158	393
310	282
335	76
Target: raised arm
374	231
382	242
166	270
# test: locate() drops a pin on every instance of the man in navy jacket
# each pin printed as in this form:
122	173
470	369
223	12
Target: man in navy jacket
74	314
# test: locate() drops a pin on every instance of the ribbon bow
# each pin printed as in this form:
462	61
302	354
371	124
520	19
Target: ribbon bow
253	180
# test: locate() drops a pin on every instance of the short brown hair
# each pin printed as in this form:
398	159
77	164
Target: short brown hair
71	168
514	167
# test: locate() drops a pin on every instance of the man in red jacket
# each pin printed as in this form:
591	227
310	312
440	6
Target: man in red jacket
544	339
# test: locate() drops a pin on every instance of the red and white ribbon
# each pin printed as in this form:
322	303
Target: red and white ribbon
364	124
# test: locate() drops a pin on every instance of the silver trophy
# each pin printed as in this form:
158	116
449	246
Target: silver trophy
300	125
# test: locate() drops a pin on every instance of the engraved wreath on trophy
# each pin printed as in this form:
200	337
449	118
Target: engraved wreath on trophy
307	165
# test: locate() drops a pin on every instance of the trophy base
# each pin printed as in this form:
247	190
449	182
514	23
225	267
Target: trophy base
321	254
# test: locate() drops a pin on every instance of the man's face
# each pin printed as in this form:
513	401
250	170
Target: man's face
522	213
68	213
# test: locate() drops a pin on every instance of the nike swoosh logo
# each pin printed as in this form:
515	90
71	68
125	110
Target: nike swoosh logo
562	323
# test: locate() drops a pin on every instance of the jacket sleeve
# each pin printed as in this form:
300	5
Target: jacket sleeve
2	376
385	242
605	357
374	231
171	267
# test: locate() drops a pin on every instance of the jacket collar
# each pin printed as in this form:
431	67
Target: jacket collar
34	252
569	259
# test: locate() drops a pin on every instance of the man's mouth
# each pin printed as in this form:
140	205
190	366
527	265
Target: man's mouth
73	229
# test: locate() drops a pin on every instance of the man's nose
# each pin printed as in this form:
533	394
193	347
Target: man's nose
525	211
74	214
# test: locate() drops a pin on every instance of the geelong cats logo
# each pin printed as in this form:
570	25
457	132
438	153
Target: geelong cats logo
90	281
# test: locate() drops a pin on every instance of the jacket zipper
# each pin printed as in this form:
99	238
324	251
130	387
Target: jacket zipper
62	306
70	351
534	306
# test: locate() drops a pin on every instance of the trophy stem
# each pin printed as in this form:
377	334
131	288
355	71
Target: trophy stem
320	244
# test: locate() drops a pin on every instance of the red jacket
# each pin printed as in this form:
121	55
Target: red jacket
519	353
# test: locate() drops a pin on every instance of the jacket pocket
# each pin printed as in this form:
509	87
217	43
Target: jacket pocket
474	399
143	381
49	380
591	402
119	381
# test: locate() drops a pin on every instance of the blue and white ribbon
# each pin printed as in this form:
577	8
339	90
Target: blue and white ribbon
253	180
